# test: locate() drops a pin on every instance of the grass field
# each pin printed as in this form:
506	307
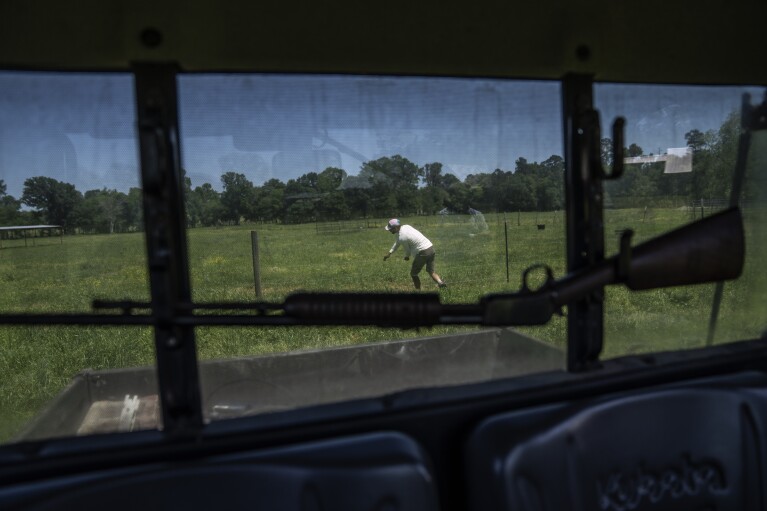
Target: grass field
37	362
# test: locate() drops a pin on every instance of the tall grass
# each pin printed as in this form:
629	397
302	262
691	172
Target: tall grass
37	362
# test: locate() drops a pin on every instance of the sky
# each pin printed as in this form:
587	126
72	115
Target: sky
80	128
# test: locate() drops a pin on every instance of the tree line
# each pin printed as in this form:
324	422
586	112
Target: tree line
388	186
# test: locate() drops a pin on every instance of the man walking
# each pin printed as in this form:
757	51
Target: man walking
417	245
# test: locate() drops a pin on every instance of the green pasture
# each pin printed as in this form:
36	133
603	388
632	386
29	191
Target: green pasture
37	362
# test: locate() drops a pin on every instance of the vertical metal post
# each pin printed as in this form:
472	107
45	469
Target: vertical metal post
165	227
748	122
585	229
506	237
256	262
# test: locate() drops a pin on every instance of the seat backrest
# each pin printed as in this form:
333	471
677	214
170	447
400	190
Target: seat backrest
367	472
693	448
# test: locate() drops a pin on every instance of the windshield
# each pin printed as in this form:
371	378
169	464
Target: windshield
71	231
681	150
292	181
438	187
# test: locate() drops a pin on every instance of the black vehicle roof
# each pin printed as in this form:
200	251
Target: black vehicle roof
709	41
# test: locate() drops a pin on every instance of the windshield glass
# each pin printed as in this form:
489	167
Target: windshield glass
71	231
681	148
446	187
291	181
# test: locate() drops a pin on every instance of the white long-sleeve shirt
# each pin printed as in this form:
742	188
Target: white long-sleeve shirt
412	241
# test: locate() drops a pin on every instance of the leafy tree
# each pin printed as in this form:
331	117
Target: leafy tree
237	197
330	179
448	180
496	187
393	183
698	141
522	193
300	211
332	206
462	196
269	201
301	196
9	210
307	183
112	208
186	193
134	210
606	151
102	211
725	154
432	196
633	150
9	207
714	155
204	206
433	199
432	174
54	200
551	186
85	215
331	203
358	198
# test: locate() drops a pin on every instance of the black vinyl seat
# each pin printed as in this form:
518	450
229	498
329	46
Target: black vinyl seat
377	471
681	449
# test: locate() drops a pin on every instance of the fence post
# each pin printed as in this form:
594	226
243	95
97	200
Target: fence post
256	263
506	237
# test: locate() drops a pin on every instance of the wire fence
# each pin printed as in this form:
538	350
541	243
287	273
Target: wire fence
474	255
481	252
702	207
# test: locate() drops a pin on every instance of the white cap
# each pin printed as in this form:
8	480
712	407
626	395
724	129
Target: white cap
392	223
